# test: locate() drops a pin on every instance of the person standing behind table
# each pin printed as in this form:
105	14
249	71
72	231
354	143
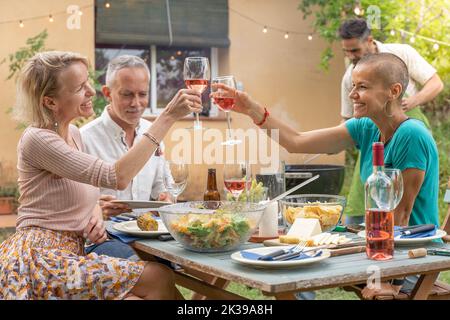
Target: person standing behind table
58	183
379	82
357	42
112	134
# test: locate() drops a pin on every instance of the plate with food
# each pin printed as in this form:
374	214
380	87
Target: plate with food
250	257
413	241
144	226
140	204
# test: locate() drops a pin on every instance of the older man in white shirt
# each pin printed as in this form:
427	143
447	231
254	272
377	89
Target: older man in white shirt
113	133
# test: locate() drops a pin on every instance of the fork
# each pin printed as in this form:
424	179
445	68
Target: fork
294	252
279	253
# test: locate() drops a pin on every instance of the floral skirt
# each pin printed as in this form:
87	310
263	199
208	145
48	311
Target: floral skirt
37	263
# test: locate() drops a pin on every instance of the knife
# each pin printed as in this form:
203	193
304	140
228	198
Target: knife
292	255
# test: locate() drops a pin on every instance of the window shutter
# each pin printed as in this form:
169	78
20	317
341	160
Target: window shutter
144	22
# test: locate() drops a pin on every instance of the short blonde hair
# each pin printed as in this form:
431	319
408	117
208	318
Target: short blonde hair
38	79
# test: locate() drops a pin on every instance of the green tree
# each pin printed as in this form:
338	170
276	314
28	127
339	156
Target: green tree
427	18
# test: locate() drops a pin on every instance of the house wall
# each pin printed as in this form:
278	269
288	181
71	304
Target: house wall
59	38
282	74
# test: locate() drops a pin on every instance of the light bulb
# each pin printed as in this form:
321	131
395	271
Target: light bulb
80	13
310	37
412	39
358	10
435	47
50	18
21	24
392	32
286	35
265	29
107	5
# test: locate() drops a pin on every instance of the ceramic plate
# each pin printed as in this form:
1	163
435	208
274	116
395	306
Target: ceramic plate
412	241
276	264
139	204
131	228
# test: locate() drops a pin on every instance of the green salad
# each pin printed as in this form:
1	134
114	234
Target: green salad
206	231
255	194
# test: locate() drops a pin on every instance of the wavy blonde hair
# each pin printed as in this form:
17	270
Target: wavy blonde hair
39	79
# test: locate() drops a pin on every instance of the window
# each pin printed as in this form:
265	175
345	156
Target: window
166	69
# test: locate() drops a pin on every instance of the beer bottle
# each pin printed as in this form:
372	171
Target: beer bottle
211	192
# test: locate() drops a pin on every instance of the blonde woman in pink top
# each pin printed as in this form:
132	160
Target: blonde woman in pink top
59	186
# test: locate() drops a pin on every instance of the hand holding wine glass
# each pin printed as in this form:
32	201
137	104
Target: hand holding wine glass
224	99
196	74
175	178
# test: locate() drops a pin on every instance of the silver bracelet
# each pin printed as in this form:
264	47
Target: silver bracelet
152	138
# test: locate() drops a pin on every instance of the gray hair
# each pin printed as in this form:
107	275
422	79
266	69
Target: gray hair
121	62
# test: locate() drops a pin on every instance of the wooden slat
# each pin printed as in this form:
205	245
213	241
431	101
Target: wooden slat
210	291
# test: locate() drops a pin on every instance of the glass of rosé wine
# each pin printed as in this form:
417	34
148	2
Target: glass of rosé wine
237	178
225	101
196	73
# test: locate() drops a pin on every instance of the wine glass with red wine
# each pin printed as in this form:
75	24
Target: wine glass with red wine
225	101
196	75
237	178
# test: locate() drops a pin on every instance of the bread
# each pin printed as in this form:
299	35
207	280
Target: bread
146	222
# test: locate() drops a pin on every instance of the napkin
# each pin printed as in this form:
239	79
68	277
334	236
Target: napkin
254	256
416	235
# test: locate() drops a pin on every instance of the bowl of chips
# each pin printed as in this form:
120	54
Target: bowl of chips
326	208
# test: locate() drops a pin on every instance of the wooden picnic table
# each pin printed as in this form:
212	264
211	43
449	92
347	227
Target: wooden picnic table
209	273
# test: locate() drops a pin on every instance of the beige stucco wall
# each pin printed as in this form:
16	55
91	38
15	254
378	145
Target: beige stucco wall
59	38
282	74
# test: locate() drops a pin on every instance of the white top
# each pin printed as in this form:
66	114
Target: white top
420	71
105	139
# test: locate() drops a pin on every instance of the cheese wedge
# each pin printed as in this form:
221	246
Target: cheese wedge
305	228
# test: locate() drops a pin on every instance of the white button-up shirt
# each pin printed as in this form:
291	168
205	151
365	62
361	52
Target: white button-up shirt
105	139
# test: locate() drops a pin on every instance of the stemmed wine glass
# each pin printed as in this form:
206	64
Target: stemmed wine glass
225	102
196	75
175	178
397	183
237	178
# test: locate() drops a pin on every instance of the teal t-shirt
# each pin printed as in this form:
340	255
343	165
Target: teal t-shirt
412	146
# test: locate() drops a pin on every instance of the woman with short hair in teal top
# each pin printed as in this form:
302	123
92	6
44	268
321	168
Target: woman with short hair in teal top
379	82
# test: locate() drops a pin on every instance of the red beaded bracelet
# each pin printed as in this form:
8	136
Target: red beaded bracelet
266	114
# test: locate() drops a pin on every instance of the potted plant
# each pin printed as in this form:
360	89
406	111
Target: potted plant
9	194
9	191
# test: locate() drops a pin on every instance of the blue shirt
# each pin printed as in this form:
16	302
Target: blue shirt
411	146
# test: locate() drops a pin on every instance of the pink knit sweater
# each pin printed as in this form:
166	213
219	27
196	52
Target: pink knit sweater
58	183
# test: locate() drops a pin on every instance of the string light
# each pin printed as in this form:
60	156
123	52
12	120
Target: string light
358	10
